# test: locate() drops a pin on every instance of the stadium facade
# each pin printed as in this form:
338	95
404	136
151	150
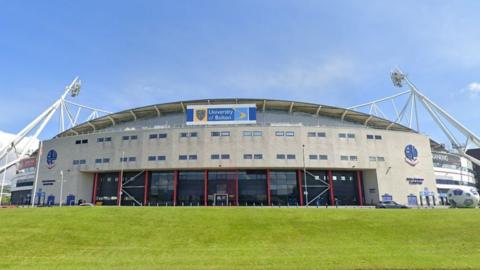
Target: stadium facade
238	152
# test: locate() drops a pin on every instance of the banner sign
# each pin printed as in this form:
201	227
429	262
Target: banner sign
446	158
27	163
415	180
221	114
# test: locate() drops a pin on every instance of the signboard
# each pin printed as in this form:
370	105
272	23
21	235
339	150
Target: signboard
221	114
27	163
441	159
411	155
415	180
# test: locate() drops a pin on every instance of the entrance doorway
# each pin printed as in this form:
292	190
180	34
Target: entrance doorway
220	199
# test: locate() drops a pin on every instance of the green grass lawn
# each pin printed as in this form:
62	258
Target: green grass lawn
238	238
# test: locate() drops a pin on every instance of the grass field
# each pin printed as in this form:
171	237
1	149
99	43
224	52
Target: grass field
238	238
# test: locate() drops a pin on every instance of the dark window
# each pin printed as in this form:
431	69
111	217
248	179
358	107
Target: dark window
342	135
153	136
183	134
353	158
280	156
283	188
132	159
257	133
100	139
125	138
84	141
311	134
313	157
76	162
152	158
289	133
247	156
279	133
369	137
258	156
225	156
321	134
161	187
194	134
343	157
215	133
161	158
247	133
380	158
107	188
182	157
108	139
215	156
162	135
322	157
106	160
133	137
98	160
291	156
378	137
78	142
123	159
192	157
191	188
351	135
252	188
83	161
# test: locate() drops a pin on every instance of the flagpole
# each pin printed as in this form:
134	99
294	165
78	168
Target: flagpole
34	190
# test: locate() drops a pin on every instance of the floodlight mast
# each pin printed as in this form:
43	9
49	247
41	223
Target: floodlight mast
38	124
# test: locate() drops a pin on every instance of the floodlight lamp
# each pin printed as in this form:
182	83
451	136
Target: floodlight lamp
397	77
76	88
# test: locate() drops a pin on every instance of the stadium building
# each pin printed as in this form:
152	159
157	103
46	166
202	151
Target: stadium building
237	152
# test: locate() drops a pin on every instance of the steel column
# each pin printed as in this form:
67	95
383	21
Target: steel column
359	187
205	188
145	192
119	188
300	188
330	182
269	199
94	192
175	184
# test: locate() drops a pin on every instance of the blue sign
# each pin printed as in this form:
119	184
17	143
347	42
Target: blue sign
51	158
411	155
221	114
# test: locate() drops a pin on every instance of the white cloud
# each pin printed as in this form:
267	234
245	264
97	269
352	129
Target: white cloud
473	89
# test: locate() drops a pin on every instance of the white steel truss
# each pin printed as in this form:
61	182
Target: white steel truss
69	116
409	115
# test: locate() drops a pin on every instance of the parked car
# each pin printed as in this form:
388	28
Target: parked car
390	204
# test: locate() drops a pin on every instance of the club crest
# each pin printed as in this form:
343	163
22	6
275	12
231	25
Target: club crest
411	155
201	114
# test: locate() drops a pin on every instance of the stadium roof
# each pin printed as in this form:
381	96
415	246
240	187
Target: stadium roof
262	105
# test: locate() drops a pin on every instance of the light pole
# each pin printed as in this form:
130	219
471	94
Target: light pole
3	179
61	188
305	176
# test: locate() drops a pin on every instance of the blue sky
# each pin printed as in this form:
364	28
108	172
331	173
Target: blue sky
135	53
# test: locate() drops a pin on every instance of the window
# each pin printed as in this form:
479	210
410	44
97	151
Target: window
351	136
193	134
83	141
162	135
247	156
161	158
100	139
353	158
313	157
192	157
289	133
381	159
291	156
322	157
247	133
83	161
372	158
225	156
183	134
215	133
215	156
279	133
225	133
342	135
258	156
153	136
76	162
311	134
369	137
280	156
98	160
131	159
106	160
152	158
343	157
78	142
257	133
133	137
378	137
182	157
125	138
108	139
321	134
123	159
